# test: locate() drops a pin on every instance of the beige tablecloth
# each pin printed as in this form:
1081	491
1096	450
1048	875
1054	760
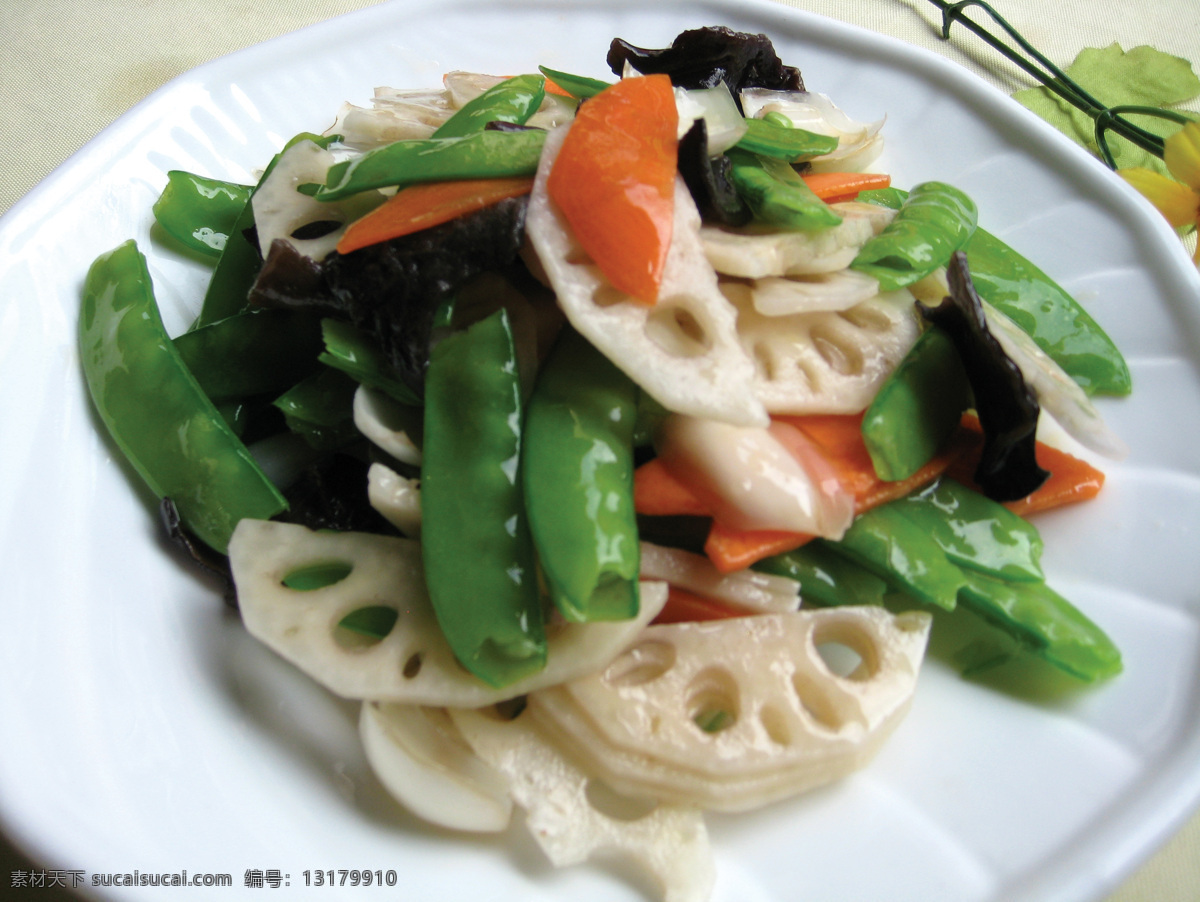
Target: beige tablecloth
67	70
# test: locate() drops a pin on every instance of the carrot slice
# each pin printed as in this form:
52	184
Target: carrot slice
552	88
840	439
1071	479
731	550
659	492
687	607
419	207
837	186
614	181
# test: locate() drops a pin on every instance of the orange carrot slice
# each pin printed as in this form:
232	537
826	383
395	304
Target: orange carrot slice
687	607
731	550
1071	479
832	187
419	207
660	493
614	181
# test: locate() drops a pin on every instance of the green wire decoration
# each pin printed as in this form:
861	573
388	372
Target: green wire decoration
1106	119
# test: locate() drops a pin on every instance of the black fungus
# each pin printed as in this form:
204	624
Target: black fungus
290	279
1008	410
332	494
392	290
703	57
708	179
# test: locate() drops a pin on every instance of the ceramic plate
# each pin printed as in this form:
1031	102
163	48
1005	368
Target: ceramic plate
145	732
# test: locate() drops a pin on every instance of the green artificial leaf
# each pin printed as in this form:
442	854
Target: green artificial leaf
1142	76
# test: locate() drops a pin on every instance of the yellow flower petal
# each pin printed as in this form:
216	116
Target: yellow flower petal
1179	203
1182	155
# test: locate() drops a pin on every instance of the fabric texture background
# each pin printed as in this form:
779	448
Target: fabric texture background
67	70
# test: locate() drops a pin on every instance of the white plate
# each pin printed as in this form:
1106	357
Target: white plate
143	730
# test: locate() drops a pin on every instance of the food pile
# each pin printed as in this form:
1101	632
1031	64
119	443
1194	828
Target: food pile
614	442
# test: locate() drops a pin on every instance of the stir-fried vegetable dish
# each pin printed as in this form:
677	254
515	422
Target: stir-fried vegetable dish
575	426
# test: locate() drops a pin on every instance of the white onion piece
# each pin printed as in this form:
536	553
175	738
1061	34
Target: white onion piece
424	763
463	87
388	424
756	475
723	122
1057	393
396	498
859	143
393	116
821	292
753	252
746	589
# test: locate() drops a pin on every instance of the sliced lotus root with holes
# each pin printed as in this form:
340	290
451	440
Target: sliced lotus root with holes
574	817
737	713
755	252
683	350
827	362
282	213
413	663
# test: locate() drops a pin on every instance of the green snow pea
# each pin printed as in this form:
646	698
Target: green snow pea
771	138
320	409
1059	325
896	549
513	101
934	221
976	532
252	353
240	260
576	85
776	194
825	577
1045	623
475	542
351	351
578	481
486	154
200	212
1035	302
917	408
156	412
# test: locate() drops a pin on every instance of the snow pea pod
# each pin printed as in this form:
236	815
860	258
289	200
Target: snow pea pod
776	194
475	542
934	221
485	154
825	577
1059	325
1051	316
200	212
770	138
578	482
252	353
894	548
976	532
579	86
350	350
1045	623
320	409
513	101
917	408
155	410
